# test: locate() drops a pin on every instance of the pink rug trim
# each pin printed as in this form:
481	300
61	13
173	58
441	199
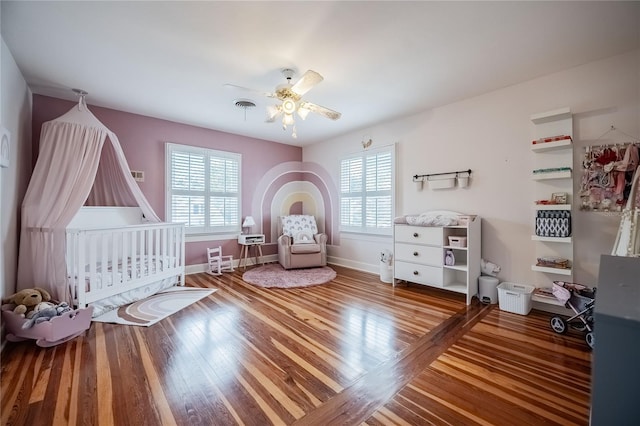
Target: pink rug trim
273	275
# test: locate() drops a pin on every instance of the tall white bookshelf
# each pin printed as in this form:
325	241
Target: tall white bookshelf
556	156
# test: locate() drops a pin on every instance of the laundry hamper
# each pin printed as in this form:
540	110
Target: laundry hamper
515	298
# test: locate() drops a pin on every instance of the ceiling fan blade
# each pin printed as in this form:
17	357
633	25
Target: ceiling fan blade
306	82
273	111
246	89
329	113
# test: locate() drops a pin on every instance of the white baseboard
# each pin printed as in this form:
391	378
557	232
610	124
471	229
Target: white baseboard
270	258
204	267
196	269
358	266
553	309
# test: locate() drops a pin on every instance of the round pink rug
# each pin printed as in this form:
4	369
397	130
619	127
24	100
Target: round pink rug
273	275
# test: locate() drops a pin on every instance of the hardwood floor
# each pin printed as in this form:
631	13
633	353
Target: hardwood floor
354	351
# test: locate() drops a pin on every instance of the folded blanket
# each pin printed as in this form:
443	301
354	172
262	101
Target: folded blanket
434	218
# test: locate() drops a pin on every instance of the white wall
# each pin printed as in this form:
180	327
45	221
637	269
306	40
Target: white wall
15	115
491	134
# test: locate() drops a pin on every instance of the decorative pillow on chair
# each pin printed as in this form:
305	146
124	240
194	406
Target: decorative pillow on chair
295	223
303	237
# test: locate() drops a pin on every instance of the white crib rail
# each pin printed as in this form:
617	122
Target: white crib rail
105	262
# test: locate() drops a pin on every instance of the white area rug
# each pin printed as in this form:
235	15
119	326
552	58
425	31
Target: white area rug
154	308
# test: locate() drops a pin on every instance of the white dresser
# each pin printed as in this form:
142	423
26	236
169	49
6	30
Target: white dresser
419	253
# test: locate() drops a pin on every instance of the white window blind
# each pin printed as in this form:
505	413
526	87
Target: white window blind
203	189
366	192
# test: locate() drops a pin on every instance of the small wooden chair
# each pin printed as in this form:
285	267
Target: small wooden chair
218	262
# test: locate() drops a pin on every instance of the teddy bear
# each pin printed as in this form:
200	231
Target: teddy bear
26	300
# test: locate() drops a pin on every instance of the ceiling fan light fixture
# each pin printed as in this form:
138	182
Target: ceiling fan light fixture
288	106
303	112
290	96
272	112
287	120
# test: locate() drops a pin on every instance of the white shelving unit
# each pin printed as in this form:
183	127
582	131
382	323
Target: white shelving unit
419	254
552	155
551	175
551	207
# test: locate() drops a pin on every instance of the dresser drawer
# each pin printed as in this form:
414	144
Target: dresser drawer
421	274
427	255
419	234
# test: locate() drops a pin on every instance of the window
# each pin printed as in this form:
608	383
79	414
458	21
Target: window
366	192
203	189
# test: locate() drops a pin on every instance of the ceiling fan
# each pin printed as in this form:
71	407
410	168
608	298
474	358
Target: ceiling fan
290	97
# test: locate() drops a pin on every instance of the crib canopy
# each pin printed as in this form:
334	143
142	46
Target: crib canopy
74	168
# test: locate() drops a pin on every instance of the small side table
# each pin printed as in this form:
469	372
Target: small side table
247	241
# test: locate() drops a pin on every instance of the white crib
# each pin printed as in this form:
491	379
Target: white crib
110	267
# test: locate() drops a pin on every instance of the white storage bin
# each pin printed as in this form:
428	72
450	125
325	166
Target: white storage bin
456	241
515	298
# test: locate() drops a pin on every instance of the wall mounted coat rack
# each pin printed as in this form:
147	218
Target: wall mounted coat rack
444	180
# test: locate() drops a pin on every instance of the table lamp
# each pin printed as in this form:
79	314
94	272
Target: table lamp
248	223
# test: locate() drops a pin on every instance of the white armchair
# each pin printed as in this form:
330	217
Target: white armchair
300	245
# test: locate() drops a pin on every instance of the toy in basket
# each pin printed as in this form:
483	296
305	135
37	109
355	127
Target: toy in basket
54	331
581	300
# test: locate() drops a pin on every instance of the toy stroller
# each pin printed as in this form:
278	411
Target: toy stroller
580	300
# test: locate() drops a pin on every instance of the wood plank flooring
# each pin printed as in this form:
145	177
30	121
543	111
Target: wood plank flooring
354	351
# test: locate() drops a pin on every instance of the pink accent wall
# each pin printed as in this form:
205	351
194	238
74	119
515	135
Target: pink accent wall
143	142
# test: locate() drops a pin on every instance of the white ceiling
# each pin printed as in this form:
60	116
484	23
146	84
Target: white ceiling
380	60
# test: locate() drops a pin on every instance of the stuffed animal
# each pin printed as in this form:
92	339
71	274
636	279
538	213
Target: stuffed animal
39	307
62	308
26	300
46	314
489	268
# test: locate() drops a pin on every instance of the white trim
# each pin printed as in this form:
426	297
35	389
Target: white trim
204	267
358	266
196	269
208	154
358	236
198	238
390	149
272	258
384	148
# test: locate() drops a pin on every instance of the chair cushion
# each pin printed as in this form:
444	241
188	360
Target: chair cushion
305	248
295	223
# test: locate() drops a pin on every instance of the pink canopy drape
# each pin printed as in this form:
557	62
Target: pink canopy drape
73	163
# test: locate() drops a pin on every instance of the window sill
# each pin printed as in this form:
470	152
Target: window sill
196	238
361	236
